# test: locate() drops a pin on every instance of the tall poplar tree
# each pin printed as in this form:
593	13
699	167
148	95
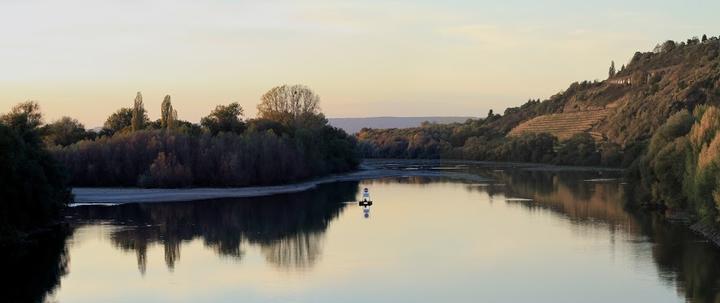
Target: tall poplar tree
168	115
138	113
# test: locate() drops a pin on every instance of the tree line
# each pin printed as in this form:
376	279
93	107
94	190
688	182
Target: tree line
486	140
289	140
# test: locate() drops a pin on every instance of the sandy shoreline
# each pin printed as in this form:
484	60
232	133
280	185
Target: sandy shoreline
370	169
109	195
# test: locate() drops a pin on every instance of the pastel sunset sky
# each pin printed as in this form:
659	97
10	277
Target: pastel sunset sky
87	58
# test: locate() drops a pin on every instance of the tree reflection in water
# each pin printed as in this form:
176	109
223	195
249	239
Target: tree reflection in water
289	228
683	258
33	268
296	251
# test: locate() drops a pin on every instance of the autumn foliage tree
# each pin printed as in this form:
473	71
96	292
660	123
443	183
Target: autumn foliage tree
168	116
139	116
681	168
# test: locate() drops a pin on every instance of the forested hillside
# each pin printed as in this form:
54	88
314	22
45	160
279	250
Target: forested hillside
597	122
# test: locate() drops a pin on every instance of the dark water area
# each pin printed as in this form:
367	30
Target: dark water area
522	236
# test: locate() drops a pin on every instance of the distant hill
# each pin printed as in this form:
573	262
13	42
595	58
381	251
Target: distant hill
619	113
632	103
353	125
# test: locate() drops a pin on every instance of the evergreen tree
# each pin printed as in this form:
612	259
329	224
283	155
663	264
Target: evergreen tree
611	72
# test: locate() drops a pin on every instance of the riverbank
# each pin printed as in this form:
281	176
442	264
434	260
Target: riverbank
111	196
370	169
709	231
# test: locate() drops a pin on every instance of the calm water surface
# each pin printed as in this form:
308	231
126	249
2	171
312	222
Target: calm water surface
523	236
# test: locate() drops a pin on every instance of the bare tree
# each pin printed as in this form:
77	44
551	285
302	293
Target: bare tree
289	104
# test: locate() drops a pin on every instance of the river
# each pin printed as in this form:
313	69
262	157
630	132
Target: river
524	235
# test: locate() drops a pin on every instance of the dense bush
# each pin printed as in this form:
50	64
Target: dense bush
681	166
580	149
64	131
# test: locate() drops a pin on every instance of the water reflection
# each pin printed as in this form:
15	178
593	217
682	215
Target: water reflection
33	269
683	259
596	199
366	212
300	250
288	228
290	232
571	194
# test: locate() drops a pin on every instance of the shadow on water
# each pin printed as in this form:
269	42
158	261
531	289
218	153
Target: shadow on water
33	269
288	228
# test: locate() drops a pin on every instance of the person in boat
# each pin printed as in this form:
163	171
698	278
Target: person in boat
366	195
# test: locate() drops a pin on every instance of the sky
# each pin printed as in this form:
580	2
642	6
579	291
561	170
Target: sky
88	58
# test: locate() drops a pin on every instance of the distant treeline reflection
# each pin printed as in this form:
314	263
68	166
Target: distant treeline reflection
597	199
291	236
681	256
288	228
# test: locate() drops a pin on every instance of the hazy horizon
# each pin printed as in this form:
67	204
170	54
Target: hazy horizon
86	59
